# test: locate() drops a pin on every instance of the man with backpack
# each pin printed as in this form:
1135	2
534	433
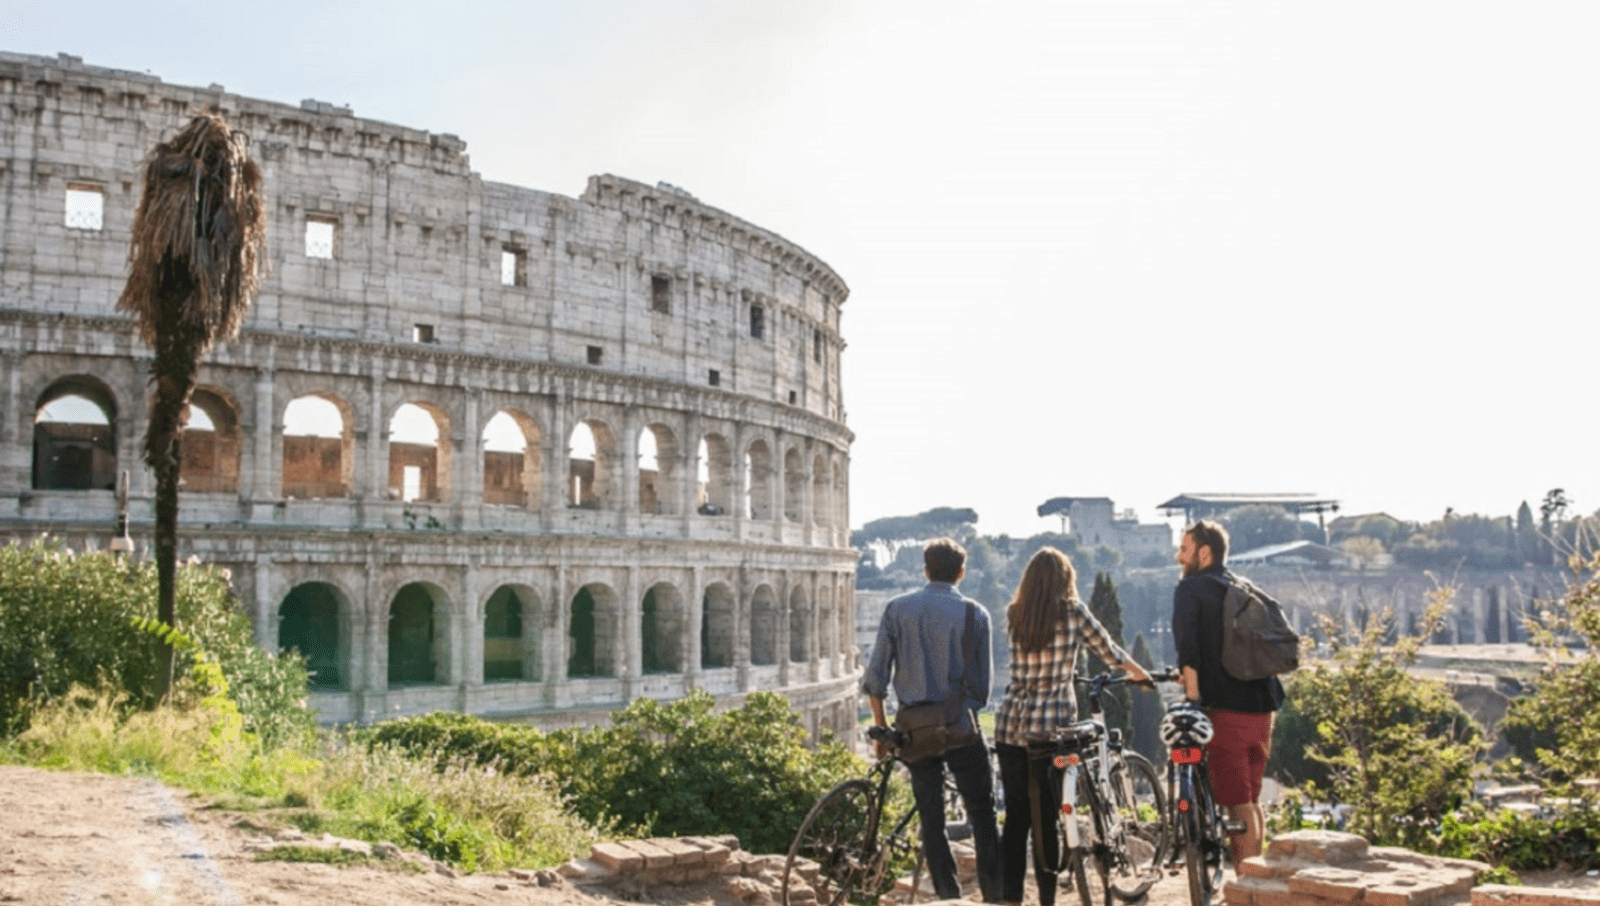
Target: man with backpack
1241	709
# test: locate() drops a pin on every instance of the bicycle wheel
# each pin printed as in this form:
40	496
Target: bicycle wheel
1205	843
1138	832
836	837
1097	839
1072	867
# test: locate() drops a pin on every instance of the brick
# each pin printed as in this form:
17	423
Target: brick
616	857
1338	885
682	853
654	856
1326	847
1502	895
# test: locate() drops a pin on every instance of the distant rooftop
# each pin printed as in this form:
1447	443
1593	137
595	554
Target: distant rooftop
1062	504
1290	550
1199	506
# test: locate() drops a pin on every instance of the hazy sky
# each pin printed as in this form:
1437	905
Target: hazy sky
1125	249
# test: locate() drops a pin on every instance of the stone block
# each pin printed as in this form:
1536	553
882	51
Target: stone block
1502	895
682	853
617	857
1325	847
654	856
1337	885
1253	890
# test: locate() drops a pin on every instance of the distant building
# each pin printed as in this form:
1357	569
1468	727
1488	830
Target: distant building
1292	553
1206	506
1094	522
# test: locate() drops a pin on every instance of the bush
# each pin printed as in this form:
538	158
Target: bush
660	769
1557	726
69	619
1568	841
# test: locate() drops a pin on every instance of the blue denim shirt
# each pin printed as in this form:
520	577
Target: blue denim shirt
919	647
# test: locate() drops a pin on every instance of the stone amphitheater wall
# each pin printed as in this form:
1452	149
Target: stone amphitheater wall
401	281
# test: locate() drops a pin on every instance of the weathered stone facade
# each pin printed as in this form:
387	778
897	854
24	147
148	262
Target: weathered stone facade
662	509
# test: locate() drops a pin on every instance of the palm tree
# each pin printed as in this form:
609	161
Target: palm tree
199	237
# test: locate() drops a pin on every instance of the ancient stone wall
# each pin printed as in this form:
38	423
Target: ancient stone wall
636	451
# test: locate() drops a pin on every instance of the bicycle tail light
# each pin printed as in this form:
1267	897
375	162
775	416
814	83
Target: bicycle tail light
1063	761
1183	805
1187	755
1066	808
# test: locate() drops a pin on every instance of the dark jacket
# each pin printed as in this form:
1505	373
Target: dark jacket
1197	633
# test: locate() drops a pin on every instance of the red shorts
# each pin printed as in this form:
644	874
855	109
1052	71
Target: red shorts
1237	755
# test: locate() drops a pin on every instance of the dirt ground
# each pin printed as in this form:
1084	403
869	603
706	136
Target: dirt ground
73	838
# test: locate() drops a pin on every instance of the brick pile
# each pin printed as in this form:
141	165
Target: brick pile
1312	868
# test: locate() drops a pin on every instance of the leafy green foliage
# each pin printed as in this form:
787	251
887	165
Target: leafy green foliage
1557	725
660	769
1395	747
1568	840
934	523
69	619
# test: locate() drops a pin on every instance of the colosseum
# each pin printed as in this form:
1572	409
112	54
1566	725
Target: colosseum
478	447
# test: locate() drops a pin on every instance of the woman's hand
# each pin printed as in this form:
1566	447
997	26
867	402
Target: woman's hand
1135	672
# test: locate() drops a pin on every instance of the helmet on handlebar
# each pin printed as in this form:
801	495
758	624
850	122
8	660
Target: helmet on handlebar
1185	725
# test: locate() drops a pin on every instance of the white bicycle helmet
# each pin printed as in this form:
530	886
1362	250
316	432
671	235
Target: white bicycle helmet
1185	725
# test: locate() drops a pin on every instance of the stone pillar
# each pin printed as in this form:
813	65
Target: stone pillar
266	609
261	485
375	641
785	626
468	470
469	667
371	478
555	455
808	494
694	618
627	496
626	649
1479	618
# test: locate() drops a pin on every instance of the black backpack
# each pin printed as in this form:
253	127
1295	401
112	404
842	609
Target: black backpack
1257	640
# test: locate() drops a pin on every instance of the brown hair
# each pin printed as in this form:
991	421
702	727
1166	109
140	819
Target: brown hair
1049	586
1210	534
944	558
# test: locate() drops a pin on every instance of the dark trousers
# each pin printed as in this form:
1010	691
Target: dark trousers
1019	824
969	765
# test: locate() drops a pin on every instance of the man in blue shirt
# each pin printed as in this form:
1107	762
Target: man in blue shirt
921	650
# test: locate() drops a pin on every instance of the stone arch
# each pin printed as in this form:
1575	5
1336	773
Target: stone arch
314	619
763	626
211	443
661	620
513	465
75	436
419	452
794	486
758	480
820	498
591	465
660	470
799	625
714	492
718	613
592	631
512	617
318	447
419	618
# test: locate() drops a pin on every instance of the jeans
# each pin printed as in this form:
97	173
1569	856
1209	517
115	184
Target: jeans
1014	767
969	765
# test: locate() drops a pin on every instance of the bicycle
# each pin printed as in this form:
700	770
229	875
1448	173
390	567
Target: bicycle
1199	831
839	850
1112	805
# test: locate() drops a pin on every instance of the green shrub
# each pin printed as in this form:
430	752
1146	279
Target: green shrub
1569	840
670	769
1557	726
69	619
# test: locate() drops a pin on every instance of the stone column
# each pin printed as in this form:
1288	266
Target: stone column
468	470
625	643
469	666
1478	616
266	610
694	617
371	479
261	486
376	631
627	496
555	454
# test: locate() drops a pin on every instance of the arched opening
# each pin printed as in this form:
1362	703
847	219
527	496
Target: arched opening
763	627
512	474
413	656
799	627
308	622
714	486
758	481
592	633
717	613
794	486
415	455
661	630
821	500
511	635
590	459
75	437
316	448
210	445
658	471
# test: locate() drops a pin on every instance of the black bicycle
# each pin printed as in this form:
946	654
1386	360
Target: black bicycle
842	852
1199	831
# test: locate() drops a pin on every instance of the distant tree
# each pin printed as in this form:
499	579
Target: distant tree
1551	511
1528	544
1107	558
935	523
1556	728
1147	709
1106	608
1362	550
1259	525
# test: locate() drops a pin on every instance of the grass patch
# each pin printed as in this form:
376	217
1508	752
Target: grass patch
337	857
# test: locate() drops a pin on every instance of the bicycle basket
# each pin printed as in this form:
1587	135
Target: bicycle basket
1185	725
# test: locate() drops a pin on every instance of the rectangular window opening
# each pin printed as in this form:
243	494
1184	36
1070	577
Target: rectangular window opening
513	267
816	345
793	397
661	293
594	355
758	321
319	237
716	378
422	333
86	206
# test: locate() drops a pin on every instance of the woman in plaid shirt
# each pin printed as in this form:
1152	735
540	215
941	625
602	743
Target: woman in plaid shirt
1046	624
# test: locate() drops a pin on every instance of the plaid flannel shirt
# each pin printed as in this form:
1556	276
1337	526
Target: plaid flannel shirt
1039	695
